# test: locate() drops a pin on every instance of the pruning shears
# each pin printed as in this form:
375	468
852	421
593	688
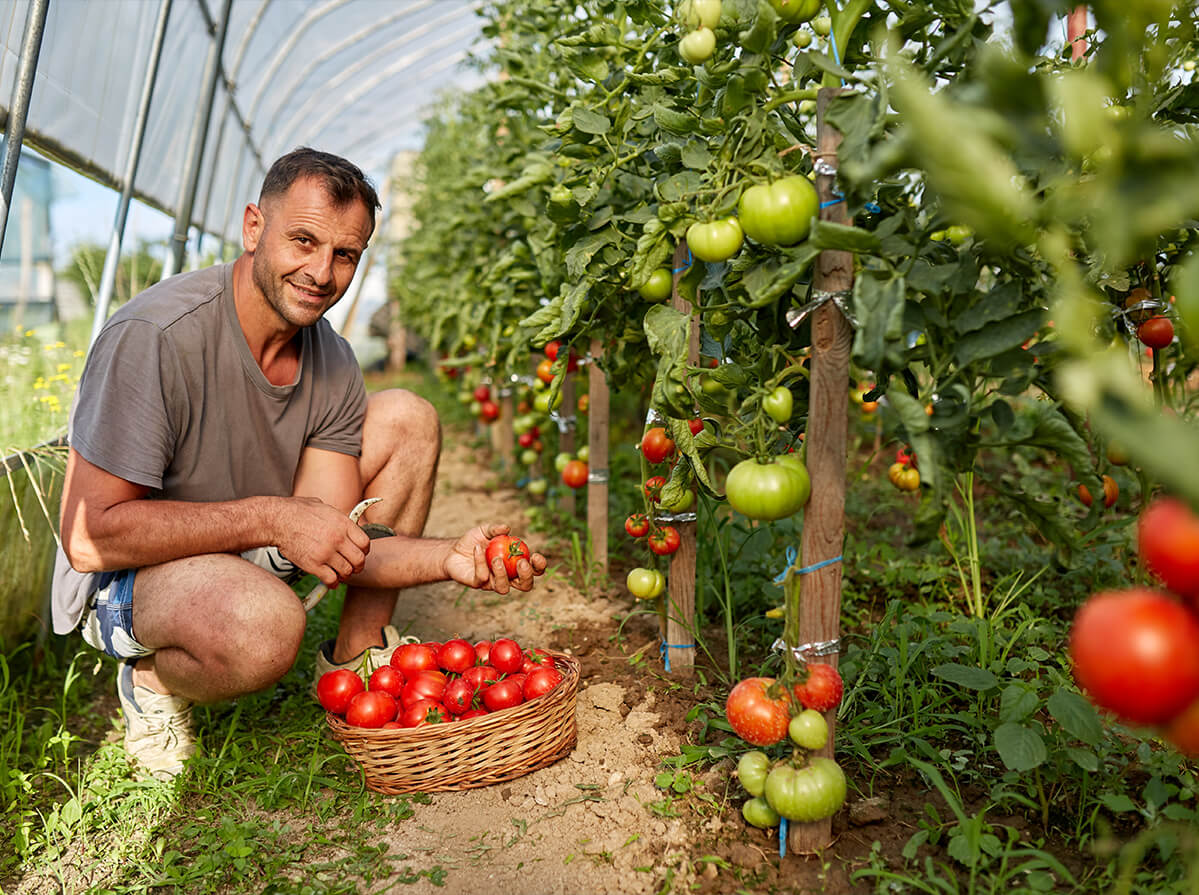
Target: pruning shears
317	593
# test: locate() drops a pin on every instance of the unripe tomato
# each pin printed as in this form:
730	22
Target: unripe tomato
561	459
542	402
806	794
778	404
1136	653
767	491
752	769
808	729
780	213
658	287
822	25
538	487
645	584
802	39
792	11
698	46
758	813
697	13
716	240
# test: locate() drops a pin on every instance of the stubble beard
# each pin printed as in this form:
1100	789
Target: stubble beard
274	288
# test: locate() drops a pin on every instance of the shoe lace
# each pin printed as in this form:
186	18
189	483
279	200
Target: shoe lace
173	727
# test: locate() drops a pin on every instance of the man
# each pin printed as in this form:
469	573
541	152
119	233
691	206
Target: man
220	436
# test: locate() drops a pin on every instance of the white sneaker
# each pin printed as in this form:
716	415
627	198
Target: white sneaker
158	728
363	663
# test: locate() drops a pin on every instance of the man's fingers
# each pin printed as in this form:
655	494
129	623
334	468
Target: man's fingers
481	573
499	577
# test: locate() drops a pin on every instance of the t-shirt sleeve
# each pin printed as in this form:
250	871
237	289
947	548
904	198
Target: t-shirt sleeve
340	426
121	419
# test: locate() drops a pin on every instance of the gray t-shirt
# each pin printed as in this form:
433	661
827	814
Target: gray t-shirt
171	398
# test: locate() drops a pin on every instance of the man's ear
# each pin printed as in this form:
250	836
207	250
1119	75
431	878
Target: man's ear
252	224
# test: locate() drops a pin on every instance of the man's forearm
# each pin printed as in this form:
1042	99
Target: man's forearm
398	561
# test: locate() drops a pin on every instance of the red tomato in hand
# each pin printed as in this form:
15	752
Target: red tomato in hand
541	680
656	445
759	710
389	679
428	684
509	549
1136	653
336	688
822	690
456	655
414	657
637	525
507	656
372	708
664	541
1168	541
503	694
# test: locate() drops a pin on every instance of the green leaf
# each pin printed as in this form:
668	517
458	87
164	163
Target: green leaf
969	676
675	122
533	175
839	237
684	442
590	122
822	62
879	306
696	155
1017	702
998	337
1020	747
768	281
1076	715
1084	758
579	255
1117	802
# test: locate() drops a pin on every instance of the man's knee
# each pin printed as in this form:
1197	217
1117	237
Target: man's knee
256	640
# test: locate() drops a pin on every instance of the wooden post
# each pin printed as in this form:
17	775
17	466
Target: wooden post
566	435
828	424
504	424
597	460
680	617
1076	27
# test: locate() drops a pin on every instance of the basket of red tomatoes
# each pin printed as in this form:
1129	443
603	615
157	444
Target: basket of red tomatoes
454	715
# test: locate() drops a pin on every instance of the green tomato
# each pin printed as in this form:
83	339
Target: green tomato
466	396
822	25
562	195
752	770
698	46
778	404
779	213
715	240
528	456
583	453
697	13
792	11
562	458
802	39
645	584
537	486
758	813
542	402
508	331
768	491
808	729
682	504
957	234
806	794
658	287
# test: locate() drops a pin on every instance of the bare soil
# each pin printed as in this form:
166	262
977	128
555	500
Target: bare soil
595	822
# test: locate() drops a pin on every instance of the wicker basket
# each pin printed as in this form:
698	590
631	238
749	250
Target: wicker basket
472	753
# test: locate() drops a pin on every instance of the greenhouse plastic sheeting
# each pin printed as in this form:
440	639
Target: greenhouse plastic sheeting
354	77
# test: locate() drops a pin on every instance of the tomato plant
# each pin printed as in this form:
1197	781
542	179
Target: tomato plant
808	729
698	46
658	287
778	403
759	710
758	813
752	769
508	548
715	240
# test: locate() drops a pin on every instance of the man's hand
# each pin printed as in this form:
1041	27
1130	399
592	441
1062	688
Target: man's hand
467	563
320	539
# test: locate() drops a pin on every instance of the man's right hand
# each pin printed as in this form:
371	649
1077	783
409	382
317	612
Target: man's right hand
320	539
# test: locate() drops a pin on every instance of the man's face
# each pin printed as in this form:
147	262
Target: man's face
306	249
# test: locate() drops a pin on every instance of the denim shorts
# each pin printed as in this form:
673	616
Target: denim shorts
107	623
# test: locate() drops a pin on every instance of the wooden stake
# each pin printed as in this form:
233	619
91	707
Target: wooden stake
597	460
828	428
504	424
680	616
566	437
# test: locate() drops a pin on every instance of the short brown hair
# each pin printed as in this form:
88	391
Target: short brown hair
342	179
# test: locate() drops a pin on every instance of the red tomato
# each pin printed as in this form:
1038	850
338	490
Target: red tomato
1168	541
541	681
545	372
509	549
422	712
551	352
413	657
664	541
696	426
506	656
637	525
473	713
656	445
503	694
427	684
480	676
536	658
482	393
482	651
822	689
1156	332
389	679
489	411
574	474
525	439
392	725
336	688
1136	653
372	708
456	655
459	696
653	487
759	710
1111	492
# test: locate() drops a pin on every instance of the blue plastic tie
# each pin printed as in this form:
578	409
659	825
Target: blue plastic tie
873	207
686	265
819	565
826	203
782	837
832	39
664	651
792	555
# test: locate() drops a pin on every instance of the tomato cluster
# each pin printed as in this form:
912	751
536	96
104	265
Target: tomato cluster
437	683
800	786
1135	652
903	473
